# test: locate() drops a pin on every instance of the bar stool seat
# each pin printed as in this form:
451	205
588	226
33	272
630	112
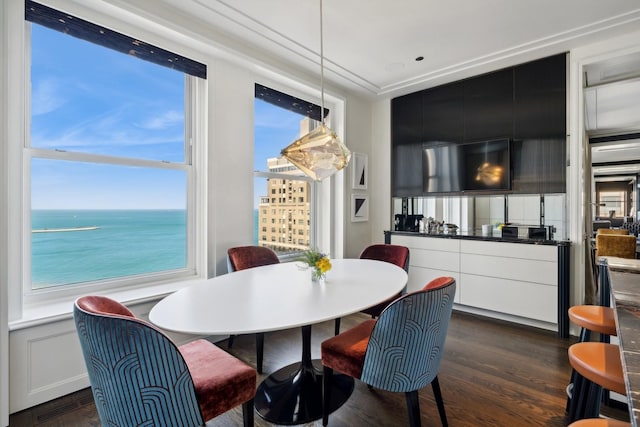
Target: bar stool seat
595	318
599	422
599	364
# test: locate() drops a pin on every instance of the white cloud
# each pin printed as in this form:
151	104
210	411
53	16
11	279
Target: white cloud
46	97
168	119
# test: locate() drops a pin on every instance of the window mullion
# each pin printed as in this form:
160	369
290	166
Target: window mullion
99	158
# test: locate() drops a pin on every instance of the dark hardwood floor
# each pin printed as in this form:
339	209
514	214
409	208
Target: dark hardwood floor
493	374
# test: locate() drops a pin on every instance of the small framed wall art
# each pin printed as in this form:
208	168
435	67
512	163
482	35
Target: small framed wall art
359	207
360	171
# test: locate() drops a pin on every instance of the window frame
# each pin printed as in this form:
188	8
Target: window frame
320	197
194	166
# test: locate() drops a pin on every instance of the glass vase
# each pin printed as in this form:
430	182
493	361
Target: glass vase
317	275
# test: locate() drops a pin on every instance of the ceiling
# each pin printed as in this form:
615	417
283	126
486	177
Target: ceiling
371	46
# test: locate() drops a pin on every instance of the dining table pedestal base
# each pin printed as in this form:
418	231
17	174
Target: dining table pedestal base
293	394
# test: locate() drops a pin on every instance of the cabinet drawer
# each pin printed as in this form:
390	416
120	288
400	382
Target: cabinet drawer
510	250
438	260
530	300
525	270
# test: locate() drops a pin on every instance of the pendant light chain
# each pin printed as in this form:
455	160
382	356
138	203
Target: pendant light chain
321	70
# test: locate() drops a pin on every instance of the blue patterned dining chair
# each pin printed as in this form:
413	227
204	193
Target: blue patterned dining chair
241	258
393	254
140	377
398	352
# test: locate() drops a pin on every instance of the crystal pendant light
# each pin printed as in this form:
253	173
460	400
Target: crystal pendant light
320	153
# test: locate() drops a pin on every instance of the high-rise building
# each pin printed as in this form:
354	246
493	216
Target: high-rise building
284	215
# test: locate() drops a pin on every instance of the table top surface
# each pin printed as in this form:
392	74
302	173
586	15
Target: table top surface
275	297
623	264
625	289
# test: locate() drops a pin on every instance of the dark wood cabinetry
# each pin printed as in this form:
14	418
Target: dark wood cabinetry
539	146
443	114
540	98
488	106
525	103
406	134
406	119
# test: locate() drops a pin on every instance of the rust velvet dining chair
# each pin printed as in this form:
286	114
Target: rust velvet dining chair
617	231
400	351
140	377
616	245
241	258
394	254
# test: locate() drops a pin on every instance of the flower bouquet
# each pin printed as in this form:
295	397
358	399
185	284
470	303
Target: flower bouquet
318	262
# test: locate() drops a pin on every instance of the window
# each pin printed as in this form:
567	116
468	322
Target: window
612	204
278	122
109	173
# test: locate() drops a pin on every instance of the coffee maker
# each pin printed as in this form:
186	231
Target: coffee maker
408	221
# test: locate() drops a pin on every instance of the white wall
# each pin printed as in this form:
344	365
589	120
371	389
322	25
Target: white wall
359	140
4	306
380	208
231	93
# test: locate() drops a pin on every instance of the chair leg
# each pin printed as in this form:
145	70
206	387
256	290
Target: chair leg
337	327
576	393
413	406
326	393
592	409
259	351
579	398
247	413
435	385
585	335
230	341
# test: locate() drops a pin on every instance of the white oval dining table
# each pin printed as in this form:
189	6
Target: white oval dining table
276	297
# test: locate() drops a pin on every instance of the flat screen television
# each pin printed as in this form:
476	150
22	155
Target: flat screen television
469	167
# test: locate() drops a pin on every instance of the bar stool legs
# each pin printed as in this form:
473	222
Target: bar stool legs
590	318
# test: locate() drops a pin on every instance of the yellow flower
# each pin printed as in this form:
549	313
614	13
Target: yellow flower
323	264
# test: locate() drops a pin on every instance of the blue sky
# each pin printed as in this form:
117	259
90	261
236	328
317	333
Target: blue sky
275	129
90	99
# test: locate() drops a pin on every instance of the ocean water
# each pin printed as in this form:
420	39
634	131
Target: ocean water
125	243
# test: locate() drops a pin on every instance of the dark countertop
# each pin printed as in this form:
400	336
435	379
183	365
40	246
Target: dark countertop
624	278
472	236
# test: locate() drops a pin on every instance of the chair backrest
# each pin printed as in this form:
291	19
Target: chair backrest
137	374
394	254
618	231
407	341
616	245
243	257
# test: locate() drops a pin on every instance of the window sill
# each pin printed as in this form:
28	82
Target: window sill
62	309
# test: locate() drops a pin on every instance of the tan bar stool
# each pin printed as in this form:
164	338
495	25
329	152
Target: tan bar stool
599	422
591	318
598	366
